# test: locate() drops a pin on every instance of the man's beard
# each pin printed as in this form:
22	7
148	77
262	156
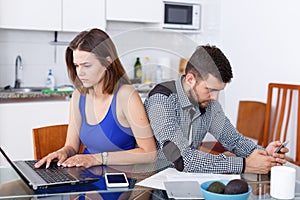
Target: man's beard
203	104
193	99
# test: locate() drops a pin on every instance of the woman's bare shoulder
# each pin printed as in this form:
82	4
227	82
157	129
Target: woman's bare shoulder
75	96
126	90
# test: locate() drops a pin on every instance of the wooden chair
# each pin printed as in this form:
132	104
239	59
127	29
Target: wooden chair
49	139
251	119
283	105
250	122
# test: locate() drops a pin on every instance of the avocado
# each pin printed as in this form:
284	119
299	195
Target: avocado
216	187
236	186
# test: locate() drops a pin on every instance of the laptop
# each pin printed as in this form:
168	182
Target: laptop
52	177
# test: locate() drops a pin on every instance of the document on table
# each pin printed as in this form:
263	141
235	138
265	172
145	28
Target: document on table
171	174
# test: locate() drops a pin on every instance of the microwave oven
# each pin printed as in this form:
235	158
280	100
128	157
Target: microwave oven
182	15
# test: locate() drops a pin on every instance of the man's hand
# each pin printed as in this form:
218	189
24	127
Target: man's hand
280	156
259	162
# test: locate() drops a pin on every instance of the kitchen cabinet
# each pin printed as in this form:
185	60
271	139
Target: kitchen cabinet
79	15
18	119
30	14
149	11
52	15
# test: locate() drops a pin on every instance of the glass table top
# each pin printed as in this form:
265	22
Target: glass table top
13	187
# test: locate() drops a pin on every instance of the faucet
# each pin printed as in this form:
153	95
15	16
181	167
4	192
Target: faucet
18	66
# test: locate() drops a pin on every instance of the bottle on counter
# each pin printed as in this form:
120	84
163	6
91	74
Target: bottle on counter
166	70
138	69
158	74
147	71
50	83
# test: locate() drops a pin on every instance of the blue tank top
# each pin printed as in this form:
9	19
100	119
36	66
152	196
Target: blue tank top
107	136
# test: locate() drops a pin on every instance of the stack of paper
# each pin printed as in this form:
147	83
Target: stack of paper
170	174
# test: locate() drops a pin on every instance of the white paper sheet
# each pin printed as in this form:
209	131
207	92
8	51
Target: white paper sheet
170	174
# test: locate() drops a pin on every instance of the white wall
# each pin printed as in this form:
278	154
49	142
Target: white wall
261	40
38	56
155	44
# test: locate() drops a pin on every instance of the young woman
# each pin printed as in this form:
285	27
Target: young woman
106	113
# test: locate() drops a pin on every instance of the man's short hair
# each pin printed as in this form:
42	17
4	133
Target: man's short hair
209	60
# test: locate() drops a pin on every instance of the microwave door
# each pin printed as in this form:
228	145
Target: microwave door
182	16
178	14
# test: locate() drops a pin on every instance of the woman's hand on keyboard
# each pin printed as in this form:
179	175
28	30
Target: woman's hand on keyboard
81	160
58	156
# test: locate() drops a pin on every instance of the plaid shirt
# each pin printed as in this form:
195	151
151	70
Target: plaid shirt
170	118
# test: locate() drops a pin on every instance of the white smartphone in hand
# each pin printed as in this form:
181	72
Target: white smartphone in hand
281	146
113	180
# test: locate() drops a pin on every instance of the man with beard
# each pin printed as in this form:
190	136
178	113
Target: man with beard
182	112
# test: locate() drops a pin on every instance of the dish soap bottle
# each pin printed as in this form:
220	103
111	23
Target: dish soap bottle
138	69
50	80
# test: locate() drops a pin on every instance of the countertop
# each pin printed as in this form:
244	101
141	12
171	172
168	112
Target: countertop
11	97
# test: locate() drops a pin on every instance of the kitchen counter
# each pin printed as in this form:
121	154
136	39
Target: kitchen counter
11	97
40	95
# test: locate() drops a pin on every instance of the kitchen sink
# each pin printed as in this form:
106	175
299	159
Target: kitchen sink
23	90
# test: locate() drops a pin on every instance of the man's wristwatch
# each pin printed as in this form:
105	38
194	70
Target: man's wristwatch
104	158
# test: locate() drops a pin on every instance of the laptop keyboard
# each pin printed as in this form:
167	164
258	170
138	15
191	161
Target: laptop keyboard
53	174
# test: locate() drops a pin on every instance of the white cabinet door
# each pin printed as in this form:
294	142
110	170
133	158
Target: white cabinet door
150	11
30	14
79	15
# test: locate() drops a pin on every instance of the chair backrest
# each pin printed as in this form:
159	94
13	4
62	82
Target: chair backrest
282	116
49	139
251	119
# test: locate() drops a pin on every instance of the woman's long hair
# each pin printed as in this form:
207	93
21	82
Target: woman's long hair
99	43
